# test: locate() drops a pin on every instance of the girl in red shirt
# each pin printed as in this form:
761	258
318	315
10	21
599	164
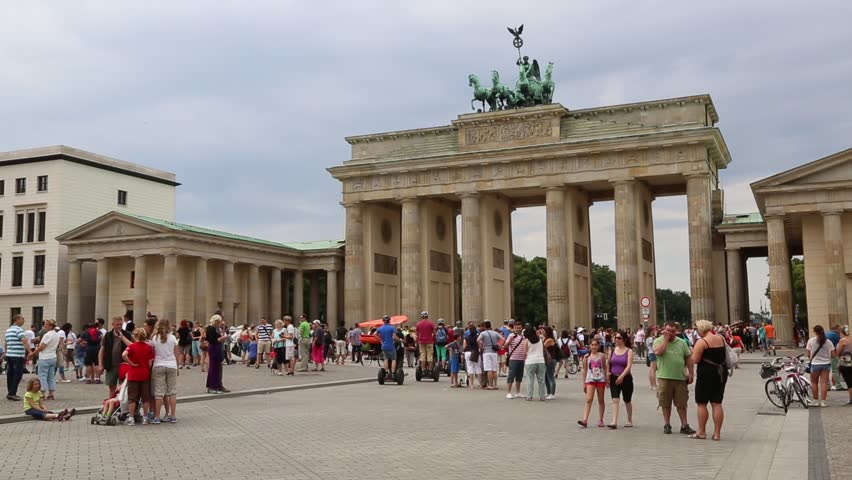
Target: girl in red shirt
140	356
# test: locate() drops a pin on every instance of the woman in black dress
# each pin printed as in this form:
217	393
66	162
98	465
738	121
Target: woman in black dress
709	355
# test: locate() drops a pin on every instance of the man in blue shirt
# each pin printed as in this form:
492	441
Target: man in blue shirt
388	335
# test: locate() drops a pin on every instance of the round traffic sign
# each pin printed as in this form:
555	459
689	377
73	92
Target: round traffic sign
645	302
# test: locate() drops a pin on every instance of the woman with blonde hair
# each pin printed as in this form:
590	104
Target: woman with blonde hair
165	372
711	376
214	354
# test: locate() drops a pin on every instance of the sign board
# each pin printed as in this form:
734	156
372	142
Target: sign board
645	316
645	302
646	311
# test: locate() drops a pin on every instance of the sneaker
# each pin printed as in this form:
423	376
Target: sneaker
145	421
172	420
66	381
667	429
13	398
70	414
62	415
686	430
129	422
154	421
509	396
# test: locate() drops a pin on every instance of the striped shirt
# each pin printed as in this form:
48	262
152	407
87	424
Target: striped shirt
14	342
516	346
264	332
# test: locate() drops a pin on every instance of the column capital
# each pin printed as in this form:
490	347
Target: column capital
831	211
408	199
331	269
623	181
352	204
733	249
468	195
701	174
773	216
555	186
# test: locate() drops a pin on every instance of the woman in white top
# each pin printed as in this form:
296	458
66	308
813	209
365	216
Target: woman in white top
534	365
564	341
46	352
165	371
68	349
820	351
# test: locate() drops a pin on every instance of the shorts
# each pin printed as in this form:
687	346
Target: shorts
341	347
91	358
389	354
669	391
472	368
596	384
454	365
289	351
820	368
516	371
185	349
69	355
165	382
36	414
137	390
426	353
441	352
111	377
625	390
264	346
846	372
490	361
652	357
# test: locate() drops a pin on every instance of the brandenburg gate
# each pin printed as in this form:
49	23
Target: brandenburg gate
403	190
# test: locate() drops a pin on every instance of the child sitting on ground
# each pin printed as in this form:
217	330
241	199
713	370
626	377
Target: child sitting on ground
454	353
34	404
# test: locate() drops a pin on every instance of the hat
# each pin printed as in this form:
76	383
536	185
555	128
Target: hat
579	329
440	321
316	321
424	314
511	321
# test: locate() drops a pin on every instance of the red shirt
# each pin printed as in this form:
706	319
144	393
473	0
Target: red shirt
450	335
425	332
141	354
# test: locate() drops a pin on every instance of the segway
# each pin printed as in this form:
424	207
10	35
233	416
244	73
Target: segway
398	376
435	373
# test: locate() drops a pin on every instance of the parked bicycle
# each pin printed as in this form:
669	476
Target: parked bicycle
782	389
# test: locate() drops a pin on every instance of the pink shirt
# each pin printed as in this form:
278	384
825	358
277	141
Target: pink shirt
516	345
425	332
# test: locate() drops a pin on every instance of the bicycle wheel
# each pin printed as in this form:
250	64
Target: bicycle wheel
775	394
572	368
803	394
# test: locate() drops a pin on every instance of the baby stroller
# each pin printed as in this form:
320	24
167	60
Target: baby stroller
120	413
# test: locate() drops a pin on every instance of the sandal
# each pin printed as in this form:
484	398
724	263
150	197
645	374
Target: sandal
715	439
582	423
600	424
612	426
628	425
696	436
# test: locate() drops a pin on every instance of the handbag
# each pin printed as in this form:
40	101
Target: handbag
474	356
205	345
236	350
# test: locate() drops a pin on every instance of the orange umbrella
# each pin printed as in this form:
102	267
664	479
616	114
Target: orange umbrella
395	320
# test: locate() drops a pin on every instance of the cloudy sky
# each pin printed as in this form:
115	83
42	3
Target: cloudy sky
248	102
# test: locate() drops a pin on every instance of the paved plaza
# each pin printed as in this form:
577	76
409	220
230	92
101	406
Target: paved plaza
427	430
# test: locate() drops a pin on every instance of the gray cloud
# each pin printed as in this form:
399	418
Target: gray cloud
249	102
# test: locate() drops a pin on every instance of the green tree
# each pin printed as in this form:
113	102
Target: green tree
673	306
603	293
530	289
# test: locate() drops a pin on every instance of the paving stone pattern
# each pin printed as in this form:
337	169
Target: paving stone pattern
418	430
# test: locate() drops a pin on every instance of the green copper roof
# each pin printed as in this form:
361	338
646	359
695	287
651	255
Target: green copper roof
742	218
182	227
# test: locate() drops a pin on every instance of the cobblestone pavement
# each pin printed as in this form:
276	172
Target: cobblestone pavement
418	430
837	425
236	377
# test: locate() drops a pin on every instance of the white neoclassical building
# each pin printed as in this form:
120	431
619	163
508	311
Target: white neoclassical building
47	191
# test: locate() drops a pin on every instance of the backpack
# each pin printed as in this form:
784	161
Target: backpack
441	336
731	359
564	348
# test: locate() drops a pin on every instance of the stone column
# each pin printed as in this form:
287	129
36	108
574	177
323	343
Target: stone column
835	268
353	276
626	255
744	298
275	293
331	298
170	287
285	296
200	310
102	289
557	259
254	312
228	292
700	247
75	271
298	293
314	294
780	280
411	281
735	286
140	290
471	259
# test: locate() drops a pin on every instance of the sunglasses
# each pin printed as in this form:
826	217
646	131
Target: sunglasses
619	338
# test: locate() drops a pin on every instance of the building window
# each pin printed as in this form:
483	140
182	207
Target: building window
1	224
122	197
14	311
38	317
38	270
17	271
21	185
133	279
41	183
42	221
31	227
2	187
19	228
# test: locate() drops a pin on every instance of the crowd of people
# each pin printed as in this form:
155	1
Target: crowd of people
141	365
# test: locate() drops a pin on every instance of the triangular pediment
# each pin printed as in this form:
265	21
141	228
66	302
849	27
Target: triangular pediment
113	225
833	169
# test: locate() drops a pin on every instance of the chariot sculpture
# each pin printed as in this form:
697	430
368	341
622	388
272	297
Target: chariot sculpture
531	88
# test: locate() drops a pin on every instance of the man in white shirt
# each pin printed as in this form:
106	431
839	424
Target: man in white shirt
290	344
